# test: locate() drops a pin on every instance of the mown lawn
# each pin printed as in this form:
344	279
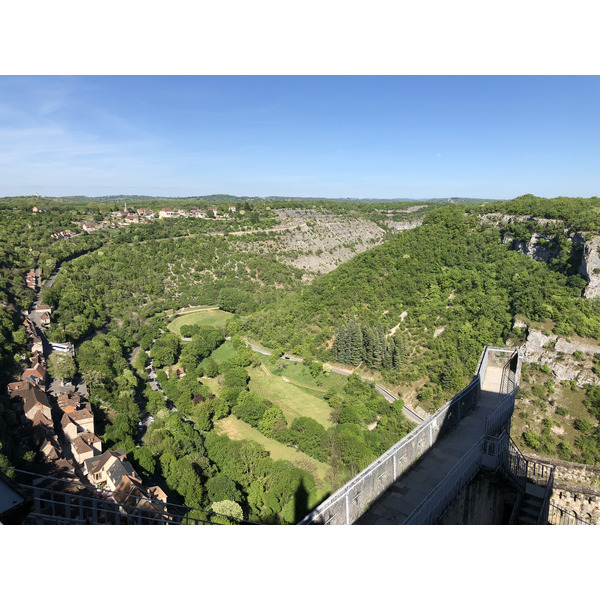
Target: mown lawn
236	429
215	317
293	400
299	374
212	384
223	352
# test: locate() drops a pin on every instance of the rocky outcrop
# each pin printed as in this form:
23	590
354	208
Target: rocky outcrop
539	248
590	267
497	218
557	353
318	241
403	225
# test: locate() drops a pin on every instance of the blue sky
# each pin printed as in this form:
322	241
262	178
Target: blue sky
331	136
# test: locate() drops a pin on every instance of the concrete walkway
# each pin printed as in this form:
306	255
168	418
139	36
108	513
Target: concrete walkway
412	488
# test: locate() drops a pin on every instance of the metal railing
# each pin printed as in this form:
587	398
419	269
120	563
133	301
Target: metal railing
496	447
559	516
441	497
431	509
543	518
351	499
348	503
64	501
516	465
540	474
516	508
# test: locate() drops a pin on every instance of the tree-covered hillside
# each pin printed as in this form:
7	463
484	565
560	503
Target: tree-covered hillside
446	289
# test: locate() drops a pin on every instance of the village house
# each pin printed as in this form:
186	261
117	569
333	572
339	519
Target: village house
29	326
34	401
36	375
131	494
36	347
96	469
85	446
16	392
118	470
43	308
50	448
214	210
167	213
42	427
232	208
70	402
37	209
31	280
76	422
18	388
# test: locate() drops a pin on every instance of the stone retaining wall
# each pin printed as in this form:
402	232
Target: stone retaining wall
576	488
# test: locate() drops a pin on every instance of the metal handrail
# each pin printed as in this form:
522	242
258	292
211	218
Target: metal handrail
546	502
391	453
516	507
169	510
344	493
446	490
569	515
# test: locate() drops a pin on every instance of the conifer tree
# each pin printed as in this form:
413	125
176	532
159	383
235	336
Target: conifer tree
368	344
356	343
388	355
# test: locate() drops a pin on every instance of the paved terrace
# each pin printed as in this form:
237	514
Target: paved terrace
405	495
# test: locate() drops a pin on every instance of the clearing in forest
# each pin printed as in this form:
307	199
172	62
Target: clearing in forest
223	352
293	401
236	429
209	316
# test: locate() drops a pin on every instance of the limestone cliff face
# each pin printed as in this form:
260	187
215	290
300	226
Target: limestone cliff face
557	353
590	267
537	248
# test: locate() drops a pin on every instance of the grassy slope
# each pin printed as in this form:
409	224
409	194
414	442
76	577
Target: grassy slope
236	429
223	352
293	400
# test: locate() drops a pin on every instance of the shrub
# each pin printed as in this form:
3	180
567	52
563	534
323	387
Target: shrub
583	425
532	439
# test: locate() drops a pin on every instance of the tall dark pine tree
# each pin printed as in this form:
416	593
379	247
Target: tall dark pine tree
378	347
368	344
356	343
388	356
340	343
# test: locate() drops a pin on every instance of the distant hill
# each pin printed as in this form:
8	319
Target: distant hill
218	198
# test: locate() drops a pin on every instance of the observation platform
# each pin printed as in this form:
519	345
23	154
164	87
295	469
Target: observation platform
410	489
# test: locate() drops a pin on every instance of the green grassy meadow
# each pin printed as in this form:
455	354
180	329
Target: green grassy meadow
293	400
236	429
223	352
210	316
